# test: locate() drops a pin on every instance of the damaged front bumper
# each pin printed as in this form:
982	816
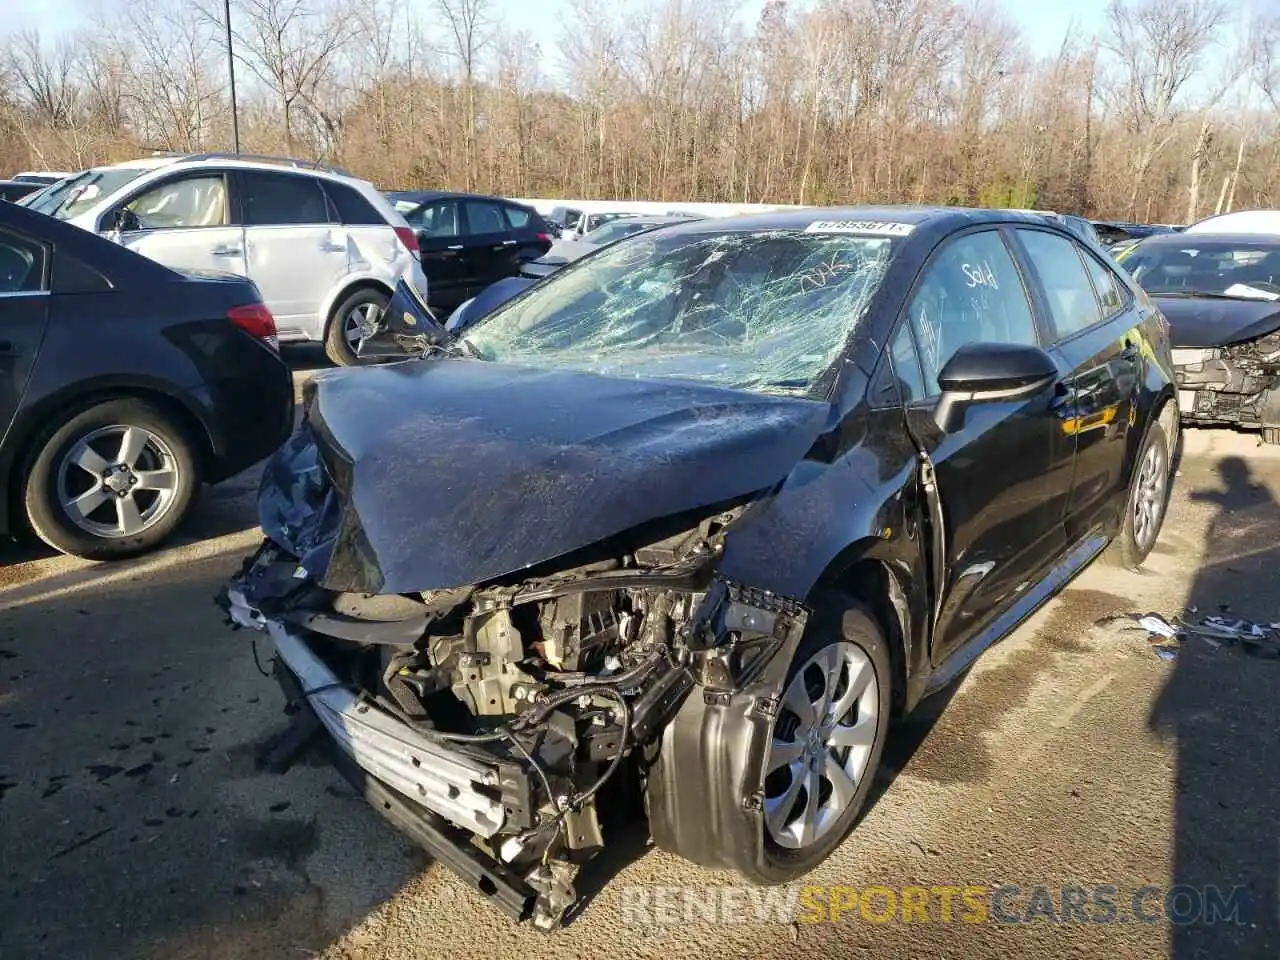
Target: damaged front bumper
444	780
695	738
1237	385
389	765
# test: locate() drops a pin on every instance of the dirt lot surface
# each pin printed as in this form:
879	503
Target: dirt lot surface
133	822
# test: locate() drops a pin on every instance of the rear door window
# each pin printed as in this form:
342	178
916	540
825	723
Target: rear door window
1056	261
484	218
282	199
971	292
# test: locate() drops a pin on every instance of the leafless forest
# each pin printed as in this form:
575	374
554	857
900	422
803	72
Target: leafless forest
1170	112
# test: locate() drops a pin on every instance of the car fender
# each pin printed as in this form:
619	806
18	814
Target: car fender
344	287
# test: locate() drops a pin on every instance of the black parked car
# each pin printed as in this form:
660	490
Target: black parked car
468	241
1221	294
123	386
698	515
14	190
1118	234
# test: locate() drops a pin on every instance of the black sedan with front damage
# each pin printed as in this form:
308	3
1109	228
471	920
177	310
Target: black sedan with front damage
690	521
1221	296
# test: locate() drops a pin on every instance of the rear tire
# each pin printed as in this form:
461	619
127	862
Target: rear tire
847	737
114	481
341	342
1146	504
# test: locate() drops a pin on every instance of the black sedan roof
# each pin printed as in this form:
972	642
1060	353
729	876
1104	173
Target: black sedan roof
915	221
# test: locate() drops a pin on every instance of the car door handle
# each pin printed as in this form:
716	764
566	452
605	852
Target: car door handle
457	246
509	243
333	247
9	349
227	251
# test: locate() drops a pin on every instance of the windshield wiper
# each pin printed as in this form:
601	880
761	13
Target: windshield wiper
465	348
1206	295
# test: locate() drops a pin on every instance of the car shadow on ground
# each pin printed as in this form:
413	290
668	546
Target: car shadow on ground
222	510
304	356
1221	704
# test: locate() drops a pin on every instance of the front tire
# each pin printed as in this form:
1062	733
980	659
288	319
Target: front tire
1146	503
351	322
828	736
112	482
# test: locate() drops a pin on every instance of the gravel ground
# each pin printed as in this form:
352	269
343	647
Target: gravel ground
133	822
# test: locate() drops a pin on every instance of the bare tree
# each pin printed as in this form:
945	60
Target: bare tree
163	67
817	101
290	45
45	77
1158	47
470	34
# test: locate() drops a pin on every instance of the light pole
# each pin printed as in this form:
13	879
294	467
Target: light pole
231	70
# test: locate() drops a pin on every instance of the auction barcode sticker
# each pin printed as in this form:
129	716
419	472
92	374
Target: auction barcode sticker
878	228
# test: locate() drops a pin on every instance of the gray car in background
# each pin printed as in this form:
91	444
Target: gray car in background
566	251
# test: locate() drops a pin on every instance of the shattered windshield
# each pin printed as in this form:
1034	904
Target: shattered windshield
763	311
1248	271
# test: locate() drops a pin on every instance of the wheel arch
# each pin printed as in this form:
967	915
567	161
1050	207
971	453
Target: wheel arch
875	583
350	285
55	410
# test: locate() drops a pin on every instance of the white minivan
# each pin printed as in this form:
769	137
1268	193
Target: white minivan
325	249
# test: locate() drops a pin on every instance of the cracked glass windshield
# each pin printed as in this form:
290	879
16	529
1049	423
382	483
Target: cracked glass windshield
762	311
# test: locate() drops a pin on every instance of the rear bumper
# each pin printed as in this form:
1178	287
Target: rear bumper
247	418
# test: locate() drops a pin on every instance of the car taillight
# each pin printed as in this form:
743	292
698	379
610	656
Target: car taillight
256	320
545	238
410	240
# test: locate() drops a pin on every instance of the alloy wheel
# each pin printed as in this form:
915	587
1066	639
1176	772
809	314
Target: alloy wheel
821	746
1149	497
117	481
360	323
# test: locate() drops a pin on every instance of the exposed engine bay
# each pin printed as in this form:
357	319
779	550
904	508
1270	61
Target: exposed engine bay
503	712
1237	384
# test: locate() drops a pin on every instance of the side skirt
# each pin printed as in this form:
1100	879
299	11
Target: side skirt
1058	577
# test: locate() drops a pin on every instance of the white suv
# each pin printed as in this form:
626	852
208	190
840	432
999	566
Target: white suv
325	249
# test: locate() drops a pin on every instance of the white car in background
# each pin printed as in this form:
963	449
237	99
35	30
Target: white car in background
324	248
1240	222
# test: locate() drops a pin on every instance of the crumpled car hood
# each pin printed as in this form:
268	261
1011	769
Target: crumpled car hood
1208	322
451	472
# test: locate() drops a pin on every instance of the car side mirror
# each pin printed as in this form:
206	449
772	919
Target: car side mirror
986	372
123	220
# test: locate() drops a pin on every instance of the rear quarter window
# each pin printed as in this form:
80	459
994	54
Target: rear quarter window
353	209
518	217
22	264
